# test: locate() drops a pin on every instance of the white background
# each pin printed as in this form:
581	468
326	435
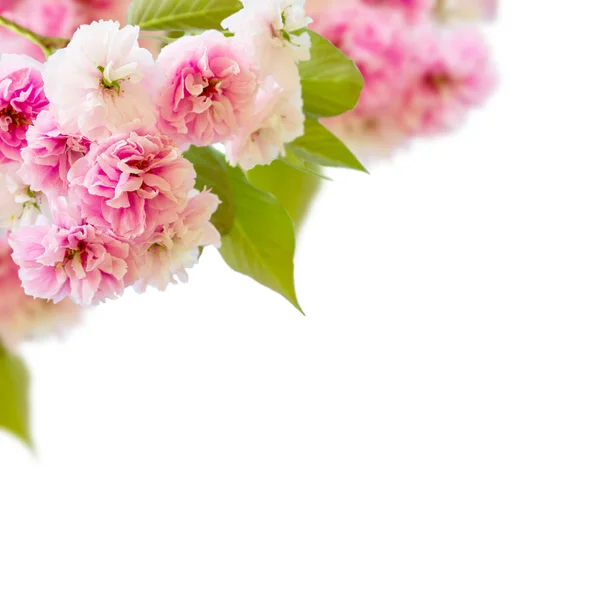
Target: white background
427	432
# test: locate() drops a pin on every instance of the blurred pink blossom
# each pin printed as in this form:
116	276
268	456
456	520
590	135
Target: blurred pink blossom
380	43
8	5
412	9
453	74
54	18
94	10
22	316
420	78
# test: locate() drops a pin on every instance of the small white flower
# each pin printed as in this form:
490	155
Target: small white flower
274	32
19	205
176	248
101	82
278	120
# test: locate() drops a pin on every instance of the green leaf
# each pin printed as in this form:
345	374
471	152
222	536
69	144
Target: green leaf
14	396
291	160
295	189
261	241
318	145
331	82
182	15
213	172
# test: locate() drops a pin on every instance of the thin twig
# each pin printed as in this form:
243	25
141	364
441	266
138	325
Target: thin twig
47	44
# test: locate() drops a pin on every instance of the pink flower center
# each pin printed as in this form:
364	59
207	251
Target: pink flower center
71	253
13	118
212	88
140	165
438	82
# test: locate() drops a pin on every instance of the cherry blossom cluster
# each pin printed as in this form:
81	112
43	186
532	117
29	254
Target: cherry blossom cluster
425	66
22	316
95	191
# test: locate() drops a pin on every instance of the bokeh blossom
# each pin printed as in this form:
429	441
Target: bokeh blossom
413	10
421	75
54	18
21	316
453	74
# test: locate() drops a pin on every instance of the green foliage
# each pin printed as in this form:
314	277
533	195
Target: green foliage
331	82
292	160
14	396
213	172
181	15
318	145
295	189
260	242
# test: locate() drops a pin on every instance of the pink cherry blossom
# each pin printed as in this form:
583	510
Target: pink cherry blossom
132	182
278	119
454	74
273	33
174	248
49	155
209	89
102	82
22	316
22	98
70	258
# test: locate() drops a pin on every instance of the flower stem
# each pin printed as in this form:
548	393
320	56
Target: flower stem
47	44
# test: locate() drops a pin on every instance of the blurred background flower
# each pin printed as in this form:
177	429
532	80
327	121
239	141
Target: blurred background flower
21	316
424	67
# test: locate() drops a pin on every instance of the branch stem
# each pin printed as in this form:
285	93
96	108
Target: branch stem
47	44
